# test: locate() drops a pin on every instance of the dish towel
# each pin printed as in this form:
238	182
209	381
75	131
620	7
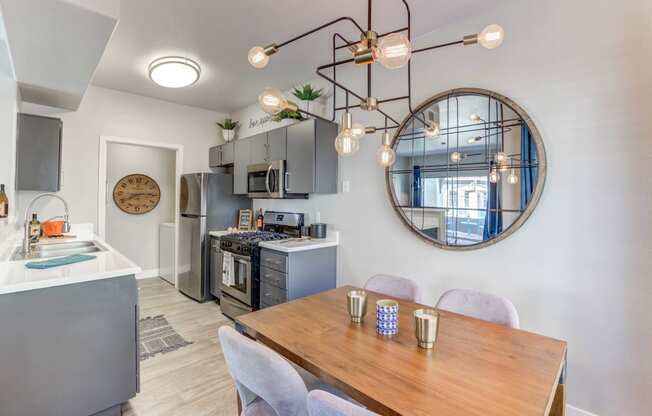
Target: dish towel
61	261
227	269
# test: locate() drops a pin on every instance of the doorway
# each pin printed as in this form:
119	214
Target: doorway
137	222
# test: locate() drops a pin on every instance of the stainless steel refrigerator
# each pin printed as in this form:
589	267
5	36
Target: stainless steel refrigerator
207	204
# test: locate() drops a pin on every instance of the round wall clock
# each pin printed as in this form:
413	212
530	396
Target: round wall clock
136	194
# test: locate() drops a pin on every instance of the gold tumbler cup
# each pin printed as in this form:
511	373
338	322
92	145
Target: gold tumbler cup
357	305
426	326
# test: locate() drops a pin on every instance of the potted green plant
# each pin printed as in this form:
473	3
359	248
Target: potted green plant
228	127
287	115
307	93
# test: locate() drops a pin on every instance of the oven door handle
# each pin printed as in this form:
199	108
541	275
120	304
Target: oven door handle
269	171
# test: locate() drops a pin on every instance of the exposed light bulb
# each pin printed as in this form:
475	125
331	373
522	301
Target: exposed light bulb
494	177
512	179
474	139
385	155
257	57
432	130
456	157
346	144
501	158
475	118
358	130
272	100
492	36
394	50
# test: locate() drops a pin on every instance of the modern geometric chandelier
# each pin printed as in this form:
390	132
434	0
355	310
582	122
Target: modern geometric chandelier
392	50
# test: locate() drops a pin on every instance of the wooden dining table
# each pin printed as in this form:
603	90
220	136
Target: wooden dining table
475	368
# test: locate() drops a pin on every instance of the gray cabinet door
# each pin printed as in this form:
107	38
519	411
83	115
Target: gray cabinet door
301	158
258	149
277	144
241	159
38	153
214	158
227	153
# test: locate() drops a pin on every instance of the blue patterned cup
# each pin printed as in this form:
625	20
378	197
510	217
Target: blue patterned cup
387	317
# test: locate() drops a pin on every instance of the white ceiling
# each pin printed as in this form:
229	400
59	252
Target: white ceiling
219	33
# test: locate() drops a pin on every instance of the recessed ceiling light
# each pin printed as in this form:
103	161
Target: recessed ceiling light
174	71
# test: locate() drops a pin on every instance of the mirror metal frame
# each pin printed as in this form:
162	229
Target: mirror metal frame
536	195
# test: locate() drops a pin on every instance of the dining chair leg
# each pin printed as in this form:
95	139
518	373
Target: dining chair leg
237	395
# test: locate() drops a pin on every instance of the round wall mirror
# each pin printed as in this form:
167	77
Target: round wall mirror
470	168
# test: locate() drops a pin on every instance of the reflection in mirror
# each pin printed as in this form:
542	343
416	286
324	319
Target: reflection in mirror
469	169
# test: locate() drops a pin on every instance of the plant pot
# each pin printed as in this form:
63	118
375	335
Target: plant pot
314	107
228	135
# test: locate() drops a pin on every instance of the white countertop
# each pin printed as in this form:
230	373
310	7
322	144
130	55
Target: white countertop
15	277
301	244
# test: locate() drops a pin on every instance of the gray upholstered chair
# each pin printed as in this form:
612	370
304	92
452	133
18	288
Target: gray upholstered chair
480	305
268	385
321	403
394	286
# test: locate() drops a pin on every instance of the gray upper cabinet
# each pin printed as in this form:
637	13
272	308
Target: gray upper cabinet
242	155
221	155
277	144
258	149
307	148
311	157
38	153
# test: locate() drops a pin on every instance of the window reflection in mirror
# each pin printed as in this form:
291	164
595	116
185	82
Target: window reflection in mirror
468	168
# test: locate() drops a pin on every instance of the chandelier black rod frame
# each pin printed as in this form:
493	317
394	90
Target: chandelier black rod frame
346	43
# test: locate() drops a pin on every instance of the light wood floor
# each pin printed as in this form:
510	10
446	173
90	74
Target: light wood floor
193	380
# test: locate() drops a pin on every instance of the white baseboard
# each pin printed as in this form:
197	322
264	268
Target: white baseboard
576	411
146	274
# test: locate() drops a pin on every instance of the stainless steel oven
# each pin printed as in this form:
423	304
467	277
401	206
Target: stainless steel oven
266	180
242	287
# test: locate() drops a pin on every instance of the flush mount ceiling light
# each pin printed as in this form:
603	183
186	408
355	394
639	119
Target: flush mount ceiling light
174	71
392	50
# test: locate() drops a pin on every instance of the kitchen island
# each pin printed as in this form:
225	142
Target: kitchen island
69	341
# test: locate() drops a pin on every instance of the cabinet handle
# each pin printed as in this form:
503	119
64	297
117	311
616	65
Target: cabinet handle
287	181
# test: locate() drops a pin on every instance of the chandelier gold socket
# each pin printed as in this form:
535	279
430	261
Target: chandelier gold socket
364	57
347	121
386	139
369	130
369	39
270	49
470	39
369	104
291	106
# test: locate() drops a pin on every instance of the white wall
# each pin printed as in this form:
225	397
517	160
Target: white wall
137	236
105	112
579	269
9	105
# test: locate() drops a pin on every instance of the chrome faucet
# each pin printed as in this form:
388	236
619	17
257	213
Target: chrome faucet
27	246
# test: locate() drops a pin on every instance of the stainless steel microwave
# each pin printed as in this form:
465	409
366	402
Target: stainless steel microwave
266	180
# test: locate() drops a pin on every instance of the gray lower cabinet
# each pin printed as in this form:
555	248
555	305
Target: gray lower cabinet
289	276
241	161
69	350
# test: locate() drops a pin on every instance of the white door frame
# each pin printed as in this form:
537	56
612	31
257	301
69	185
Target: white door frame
102	186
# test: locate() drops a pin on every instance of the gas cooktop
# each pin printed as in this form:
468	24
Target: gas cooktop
255	237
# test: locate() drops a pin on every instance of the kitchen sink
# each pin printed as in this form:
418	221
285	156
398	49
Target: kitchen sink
46	251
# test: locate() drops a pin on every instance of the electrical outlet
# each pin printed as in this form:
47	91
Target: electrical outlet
346	186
